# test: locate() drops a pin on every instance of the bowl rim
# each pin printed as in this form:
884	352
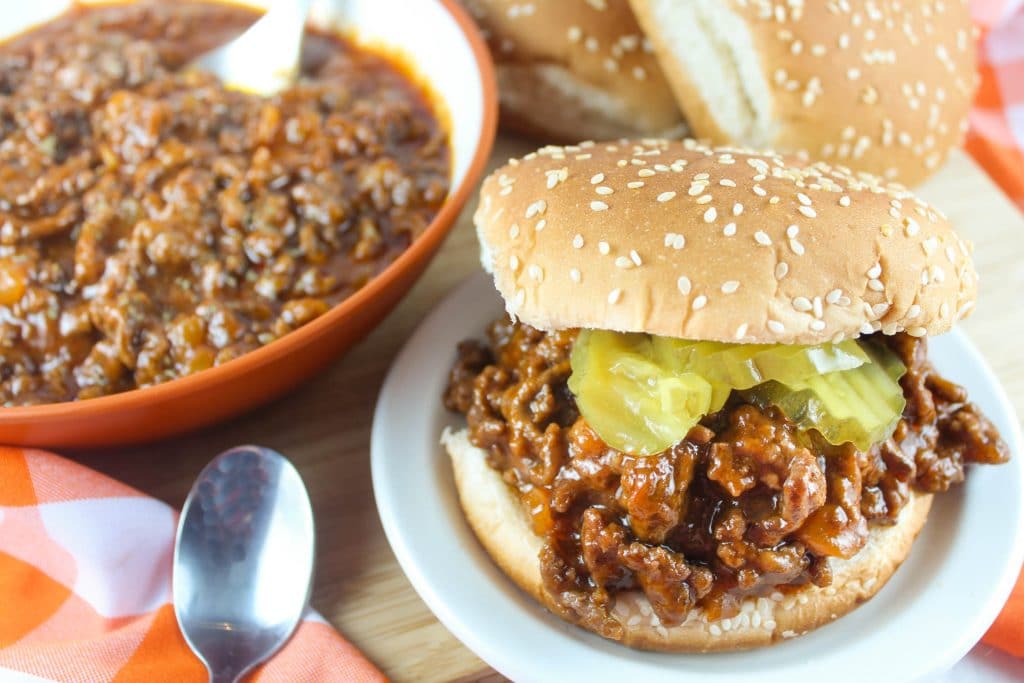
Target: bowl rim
426	243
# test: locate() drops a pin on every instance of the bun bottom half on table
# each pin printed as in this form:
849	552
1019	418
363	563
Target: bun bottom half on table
709	421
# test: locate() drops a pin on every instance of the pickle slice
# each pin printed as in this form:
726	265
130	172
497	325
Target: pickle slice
742	366
642	394
635	404
861	405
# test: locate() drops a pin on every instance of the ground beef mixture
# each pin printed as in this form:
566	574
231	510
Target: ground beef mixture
154	223
746	504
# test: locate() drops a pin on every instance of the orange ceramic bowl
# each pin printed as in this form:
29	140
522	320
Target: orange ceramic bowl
441	41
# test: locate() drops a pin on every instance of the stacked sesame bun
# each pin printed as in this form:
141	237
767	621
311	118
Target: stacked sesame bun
724	244
678	239
573	69
881	86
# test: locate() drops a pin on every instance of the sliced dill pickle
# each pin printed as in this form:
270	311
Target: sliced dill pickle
642	394
742	366
634	404
861	405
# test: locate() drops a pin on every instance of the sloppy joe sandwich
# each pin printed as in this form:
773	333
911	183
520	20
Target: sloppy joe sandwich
569	69
882	86
709	421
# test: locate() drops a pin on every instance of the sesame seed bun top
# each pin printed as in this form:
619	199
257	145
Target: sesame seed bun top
569	69
726	244
882	86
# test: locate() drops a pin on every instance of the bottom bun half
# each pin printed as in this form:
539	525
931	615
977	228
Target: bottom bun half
503	528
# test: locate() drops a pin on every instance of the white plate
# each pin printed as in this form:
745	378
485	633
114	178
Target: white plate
930	614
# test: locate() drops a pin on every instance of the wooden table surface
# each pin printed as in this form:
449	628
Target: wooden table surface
324	427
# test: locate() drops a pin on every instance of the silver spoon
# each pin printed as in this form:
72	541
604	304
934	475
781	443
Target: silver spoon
265	59
243	560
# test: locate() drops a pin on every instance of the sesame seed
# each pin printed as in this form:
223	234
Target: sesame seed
710	215
614	296
704	199
762	238
803	199
729	230
759	191
737	209
598	206
666	196
597	178
833	296
730	286
781	270
574	275
513	231
792	231
513	262
808	211
683	283
700	302
635	185
623	262
725	182
876	285
844	201
817	325
603	190
741	331
802	304
917	331
577	242
541	224
776	327
797	247
603	248
715	630
538	207
536	272
875	271
646	172
635	257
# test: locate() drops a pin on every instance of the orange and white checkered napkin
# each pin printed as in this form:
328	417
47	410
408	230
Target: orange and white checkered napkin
996	134
85	586
996	140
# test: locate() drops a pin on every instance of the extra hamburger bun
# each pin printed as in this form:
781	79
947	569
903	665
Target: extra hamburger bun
882	86
573	69
683	240
499	521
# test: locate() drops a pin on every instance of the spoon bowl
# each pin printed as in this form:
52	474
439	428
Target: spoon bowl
265	59
243	560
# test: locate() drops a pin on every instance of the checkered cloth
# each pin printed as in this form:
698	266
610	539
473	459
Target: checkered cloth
85	587
996	134
996	140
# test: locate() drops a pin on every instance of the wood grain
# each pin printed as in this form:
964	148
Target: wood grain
324	427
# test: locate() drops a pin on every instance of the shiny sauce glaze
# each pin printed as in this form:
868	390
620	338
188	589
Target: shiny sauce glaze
154	223
745	505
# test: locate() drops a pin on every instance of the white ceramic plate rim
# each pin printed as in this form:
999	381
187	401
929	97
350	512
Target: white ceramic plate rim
931	613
